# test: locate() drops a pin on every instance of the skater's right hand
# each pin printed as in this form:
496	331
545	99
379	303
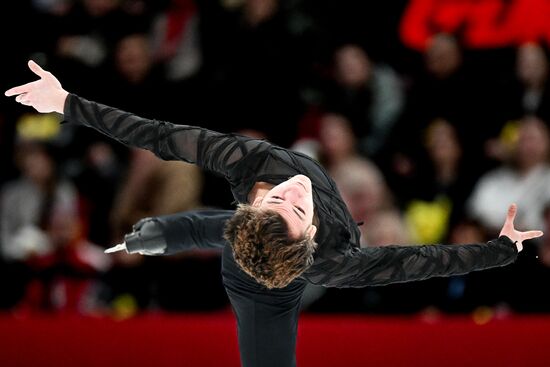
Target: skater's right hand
44	95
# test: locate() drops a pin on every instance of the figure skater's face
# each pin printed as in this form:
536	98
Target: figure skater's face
293	200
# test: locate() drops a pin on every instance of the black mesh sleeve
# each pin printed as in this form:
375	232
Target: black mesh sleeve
201	229
179	232
210	150
374	266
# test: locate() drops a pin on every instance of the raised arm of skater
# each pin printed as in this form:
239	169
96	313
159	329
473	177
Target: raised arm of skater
211	150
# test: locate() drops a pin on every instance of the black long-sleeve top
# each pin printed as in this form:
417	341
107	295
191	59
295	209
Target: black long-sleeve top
243	161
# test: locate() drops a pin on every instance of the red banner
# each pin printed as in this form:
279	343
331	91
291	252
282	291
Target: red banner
477	23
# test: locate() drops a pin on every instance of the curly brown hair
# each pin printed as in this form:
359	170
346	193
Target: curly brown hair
263	248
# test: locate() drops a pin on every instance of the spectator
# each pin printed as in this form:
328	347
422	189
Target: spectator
524	179
387	228
364	191
83	37
91	28
97	162
359	180
445	88
99	168
67	279
532	93
136	78
438	89
337	142
154	187
29	201
526	94
369	94
435	192
256	64
28	205
176	42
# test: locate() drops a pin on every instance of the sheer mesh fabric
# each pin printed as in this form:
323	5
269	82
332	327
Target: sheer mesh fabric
339	261
375	266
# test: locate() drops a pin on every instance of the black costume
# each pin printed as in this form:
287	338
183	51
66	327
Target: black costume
267	319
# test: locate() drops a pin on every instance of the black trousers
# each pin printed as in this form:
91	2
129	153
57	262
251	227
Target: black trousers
267	320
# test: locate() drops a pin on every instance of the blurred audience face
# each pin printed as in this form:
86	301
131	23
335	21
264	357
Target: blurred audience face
98	8
386	228
467	232
362	186
353	66
532	65
259	11
336	137
443	56
37	164
133	57
442	143
101	156
533	143
63	229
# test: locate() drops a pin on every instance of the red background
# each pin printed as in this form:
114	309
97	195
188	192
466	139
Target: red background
210	340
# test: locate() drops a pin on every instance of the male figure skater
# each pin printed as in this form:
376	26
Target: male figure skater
291	226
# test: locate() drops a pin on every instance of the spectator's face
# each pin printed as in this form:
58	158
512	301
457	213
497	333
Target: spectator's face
258	11
465	232
98	8
442	143
442	56
533	143
353	67
336	136
293	200
362	201
133	58
362	187
386	228
38	166
63	229
532	65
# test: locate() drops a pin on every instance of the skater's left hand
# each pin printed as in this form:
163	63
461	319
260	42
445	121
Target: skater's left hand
516	236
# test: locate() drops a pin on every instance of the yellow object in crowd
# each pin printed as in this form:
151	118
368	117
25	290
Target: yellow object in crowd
38	126
428	221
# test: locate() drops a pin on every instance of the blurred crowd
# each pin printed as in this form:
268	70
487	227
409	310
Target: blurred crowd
426	146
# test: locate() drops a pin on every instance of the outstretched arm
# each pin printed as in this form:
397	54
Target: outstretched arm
210	150
169	234
395	264
373	266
